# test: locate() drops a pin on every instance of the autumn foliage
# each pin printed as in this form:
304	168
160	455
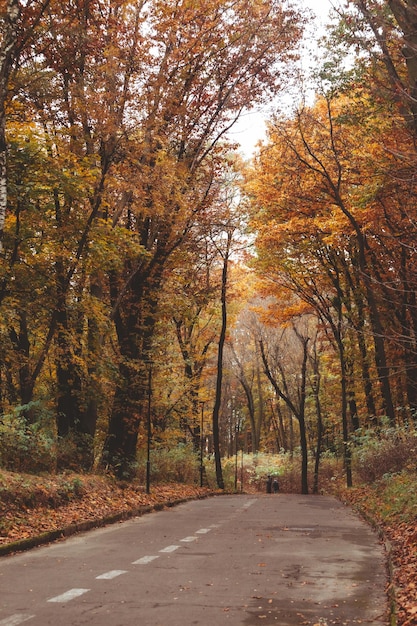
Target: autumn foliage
114	120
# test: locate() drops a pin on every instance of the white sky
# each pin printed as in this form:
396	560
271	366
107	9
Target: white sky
251	127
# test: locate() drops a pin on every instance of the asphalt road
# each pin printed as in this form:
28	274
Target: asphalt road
237	560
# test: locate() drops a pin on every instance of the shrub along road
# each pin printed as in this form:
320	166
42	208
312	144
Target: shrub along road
250	559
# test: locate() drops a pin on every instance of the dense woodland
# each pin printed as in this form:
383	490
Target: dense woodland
155	282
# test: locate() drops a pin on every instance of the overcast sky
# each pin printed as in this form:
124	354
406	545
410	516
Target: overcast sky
251	127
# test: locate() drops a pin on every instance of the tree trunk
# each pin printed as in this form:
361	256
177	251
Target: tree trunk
251	411
374	316
406	15
135	319
347	456
261	413
301	419
128	413
315	385
7	53
219	379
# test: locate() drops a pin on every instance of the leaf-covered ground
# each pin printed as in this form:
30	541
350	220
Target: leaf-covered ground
31	505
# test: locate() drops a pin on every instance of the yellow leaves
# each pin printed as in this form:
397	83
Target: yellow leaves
111	246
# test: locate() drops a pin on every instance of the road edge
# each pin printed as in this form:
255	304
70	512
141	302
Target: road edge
21	545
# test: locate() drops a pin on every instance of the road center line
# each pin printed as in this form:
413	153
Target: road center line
144	560
68	595
202	531
14	620
189	539
112	574
169	549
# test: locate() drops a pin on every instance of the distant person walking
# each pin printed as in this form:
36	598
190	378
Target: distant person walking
269	484
275	485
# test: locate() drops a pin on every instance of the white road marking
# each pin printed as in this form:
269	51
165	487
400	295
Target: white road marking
144	560
112	574
188	539
203	531
14	620
68	595
169	549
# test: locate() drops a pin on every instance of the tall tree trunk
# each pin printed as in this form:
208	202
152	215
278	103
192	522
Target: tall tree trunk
128	413
353	407
282	429
135	319
219	379
408	320
261	412
23	349
358	320
301	419
251	411
255	429
380	353
364	361
347	456
320	426
406	15
374	316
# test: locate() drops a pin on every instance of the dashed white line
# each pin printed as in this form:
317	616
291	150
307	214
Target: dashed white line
169	549
68	595
112	574
20	618
144	560
188	539
14	620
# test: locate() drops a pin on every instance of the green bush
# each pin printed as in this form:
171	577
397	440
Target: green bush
28	448
387	452
179	464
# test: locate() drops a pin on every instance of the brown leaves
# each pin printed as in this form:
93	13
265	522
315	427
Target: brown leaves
405	563
98	498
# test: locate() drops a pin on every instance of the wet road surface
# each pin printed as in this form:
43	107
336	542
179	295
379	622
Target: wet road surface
238	560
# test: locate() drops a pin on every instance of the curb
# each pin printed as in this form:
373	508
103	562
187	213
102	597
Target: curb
22	545
391	590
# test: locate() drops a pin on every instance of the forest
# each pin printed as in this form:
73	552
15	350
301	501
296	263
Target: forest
160	293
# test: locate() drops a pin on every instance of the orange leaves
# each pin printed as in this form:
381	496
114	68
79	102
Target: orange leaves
404	538
100	498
